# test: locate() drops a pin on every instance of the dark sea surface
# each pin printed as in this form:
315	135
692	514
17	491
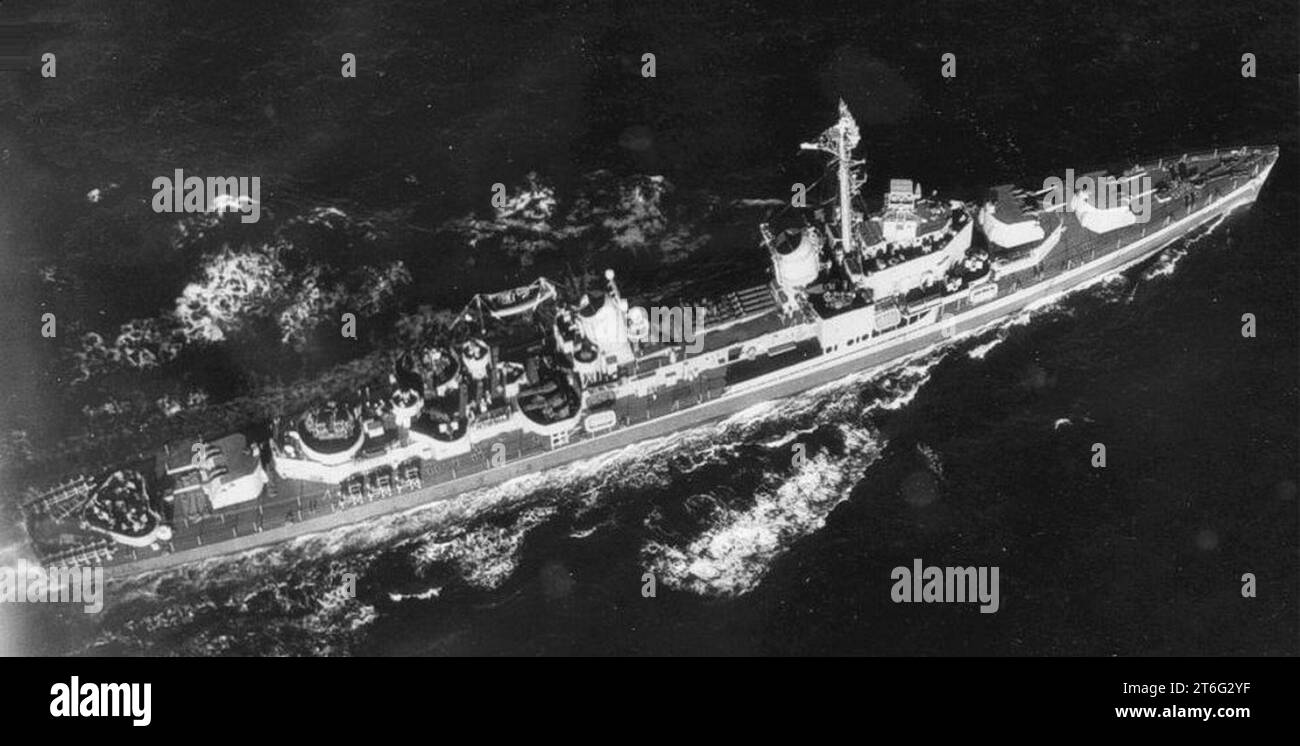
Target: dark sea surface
978	454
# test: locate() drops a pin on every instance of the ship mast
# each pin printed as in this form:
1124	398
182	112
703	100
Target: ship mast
839	141
846	177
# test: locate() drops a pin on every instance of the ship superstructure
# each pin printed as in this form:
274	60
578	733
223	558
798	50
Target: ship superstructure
536	376
863	275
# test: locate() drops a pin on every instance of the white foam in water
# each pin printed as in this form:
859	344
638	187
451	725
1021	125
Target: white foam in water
753	413
1166	263
788	437
1169	260
909	388
486	555
980	351
733	555
1113	285
758	202
315	600
433	592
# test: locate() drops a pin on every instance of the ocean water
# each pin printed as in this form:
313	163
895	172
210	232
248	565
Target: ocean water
977	454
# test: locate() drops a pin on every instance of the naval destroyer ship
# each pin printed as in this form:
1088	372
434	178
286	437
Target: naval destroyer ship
528	379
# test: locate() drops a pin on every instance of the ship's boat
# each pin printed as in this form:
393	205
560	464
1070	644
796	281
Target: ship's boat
600	421
518	301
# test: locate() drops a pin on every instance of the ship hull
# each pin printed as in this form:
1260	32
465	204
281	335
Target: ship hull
887	351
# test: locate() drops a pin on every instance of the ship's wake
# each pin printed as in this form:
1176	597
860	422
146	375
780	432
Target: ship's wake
806	477
1169	259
